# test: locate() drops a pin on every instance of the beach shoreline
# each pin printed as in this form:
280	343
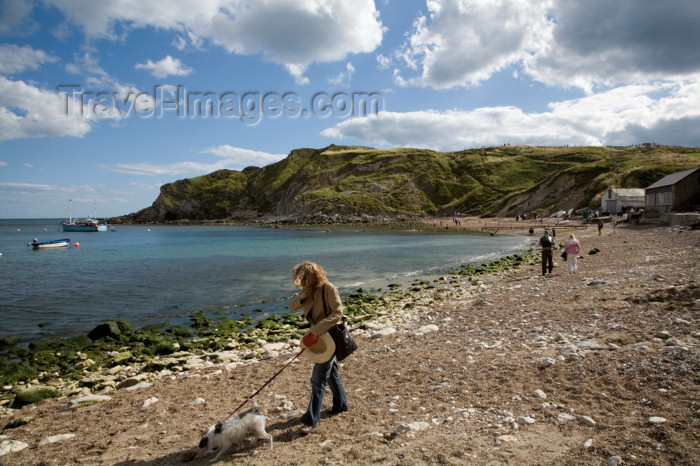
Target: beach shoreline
459	391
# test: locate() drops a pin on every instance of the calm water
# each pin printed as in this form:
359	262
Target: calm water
160	274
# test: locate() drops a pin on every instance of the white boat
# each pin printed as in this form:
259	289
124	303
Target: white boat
57	243
87	224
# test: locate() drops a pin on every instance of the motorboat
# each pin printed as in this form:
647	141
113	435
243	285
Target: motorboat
57	243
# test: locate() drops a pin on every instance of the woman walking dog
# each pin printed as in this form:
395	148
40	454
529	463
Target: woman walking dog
323	309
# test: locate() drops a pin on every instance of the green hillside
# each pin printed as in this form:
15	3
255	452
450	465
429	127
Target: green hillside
351	183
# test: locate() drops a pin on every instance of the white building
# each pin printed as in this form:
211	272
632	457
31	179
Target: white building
616	198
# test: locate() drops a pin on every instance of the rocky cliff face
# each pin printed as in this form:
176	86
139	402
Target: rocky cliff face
357	184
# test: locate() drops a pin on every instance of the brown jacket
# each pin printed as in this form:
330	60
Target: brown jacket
314	311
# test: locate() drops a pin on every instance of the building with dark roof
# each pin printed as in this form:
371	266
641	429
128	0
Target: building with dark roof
676	192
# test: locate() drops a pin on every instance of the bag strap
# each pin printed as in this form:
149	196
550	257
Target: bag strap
325	308
323	294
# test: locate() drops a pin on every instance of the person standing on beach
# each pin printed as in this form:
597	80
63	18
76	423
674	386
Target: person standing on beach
614	225
546	245
323	309
600	226
572	248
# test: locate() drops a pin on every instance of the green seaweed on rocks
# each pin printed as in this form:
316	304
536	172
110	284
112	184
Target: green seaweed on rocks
10	340
199	321
16	371
114	330
498	266
34	395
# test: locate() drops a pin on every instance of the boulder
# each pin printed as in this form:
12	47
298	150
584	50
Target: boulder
115	330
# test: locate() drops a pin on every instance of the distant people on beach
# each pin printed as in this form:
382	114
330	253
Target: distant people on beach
614	225
554	234
572	247
600	226
546	244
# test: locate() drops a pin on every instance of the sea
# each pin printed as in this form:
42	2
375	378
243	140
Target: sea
161	274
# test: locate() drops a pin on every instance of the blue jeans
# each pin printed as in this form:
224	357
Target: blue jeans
323	373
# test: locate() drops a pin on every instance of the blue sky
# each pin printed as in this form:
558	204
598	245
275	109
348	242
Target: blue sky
95	95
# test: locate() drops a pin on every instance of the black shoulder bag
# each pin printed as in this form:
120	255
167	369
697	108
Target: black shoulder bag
344	343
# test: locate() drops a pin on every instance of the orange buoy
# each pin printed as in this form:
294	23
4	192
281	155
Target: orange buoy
77	245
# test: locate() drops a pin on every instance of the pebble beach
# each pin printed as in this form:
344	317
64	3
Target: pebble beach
510	367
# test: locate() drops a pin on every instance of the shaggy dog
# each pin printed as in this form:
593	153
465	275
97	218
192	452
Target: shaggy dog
223	435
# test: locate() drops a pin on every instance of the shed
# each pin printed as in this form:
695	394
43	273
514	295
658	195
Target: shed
616	199
676	192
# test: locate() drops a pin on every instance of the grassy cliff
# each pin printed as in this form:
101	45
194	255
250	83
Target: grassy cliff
350	183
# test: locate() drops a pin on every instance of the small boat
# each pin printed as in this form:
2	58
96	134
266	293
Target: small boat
57	243
88	224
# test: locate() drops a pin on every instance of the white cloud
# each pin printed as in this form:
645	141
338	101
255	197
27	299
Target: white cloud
3	164
294	33
16	59
619	116
558	42
233	158
14	16
30	193
244	157
603	42
344	77
168	66
463	42
29	165
152	169
28	111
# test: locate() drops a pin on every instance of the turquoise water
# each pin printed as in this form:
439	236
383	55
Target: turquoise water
160	274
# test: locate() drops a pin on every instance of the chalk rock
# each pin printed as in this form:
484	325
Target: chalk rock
426	329
525	420
138	386
412	427
55	438
284	405
587	444
383	332
279	346
586	421
663	334
84	401
589	345
10	446
613	461
656	420
544	362
568	349
540	395
131	381
148	402
564	418
195	402
505	439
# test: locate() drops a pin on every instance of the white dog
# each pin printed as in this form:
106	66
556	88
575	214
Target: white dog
223	435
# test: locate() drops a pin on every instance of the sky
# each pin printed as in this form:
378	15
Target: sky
102	102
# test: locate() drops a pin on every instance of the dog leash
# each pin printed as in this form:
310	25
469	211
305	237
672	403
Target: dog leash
265	384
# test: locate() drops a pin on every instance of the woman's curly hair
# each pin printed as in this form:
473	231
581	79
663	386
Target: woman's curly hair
308	275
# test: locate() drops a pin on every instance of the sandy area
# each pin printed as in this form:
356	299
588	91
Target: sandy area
613	348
